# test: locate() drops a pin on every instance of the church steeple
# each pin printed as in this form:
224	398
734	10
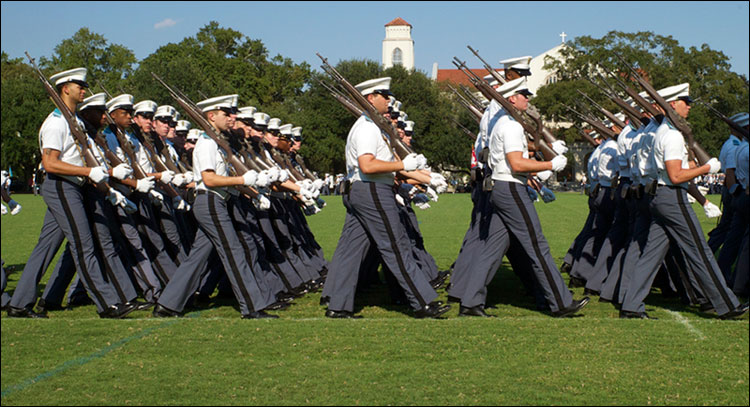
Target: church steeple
398	47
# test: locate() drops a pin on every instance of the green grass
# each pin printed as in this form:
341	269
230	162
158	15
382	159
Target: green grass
521	357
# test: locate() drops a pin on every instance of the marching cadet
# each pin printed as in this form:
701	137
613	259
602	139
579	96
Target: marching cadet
212	208
510	165
372	217
741	276
674	222
66	215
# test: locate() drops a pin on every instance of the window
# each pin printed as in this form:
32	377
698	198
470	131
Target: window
398	58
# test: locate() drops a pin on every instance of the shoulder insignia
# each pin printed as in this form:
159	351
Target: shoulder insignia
736	142
56	113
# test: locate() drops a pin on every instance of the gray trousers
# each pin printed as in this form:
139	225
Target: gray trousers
274	252
574	252
65	217
718	235
512	203
283	236
5	296
730	250
604	212
426	261
742	271
173	235
216	230
138	260
675	221
372	219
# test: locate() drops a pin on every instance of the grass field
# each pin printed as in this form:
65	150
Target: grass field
521	357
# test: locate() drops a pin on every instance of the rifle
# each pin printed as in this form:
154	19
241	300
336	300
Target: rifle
189	107
468	132
343	99
385	125
736	127
488	67
470	96
681	125
476	114
491	94
633	114
605	112
78	134
585	135
599	126
647	107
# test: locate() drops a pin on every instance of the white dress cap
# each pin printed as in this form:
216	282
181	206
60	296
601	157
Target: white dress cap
741	119
261	119
520	64
94	101
274	123
235	100
145	106
514	87
672	93
286	130
402	117
216	103
166	111
193	134
246	112
409	126
123	101
620	117
297	132
396	108
176	116
77	75
380	85
183	125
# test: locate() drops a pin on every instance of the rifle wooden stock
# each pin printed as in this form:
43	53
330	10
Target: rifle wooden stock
633	114
599	126
488	67
78	134
470	96
681	125
604	111
477	115
466	131
305	170
734	126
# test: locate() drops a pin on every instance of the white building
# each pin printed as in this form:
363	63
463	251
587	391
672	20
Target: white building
398	47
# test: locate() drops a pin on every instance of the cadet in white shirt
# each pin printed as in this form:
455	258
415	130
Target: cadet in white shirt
372	217
675	222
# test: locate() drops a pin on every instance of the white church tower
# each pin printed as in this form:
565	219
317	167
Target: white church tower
398	47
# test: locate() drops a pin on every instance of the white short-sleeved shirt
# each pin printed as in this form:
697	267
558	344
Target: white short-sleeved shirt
728	154
507	137
208	156
593	165
140	152
608	164
646	170
669	144
742	160
624	144
55	134
365	137
491	115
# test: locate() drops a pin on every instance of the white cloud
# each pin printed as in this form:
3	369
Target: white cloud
167	22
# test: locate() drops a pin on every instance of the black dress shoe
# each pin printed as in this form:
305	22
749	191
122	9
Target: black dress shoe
283	297
588	291
432	310
14	312
576	282
163	312
602	299
341	314
706	307
572	309
438	281
259	315
118	311
80	301
277	306
565	268
43	306
453	299
142	305
325	300
477	311
635	315
737	312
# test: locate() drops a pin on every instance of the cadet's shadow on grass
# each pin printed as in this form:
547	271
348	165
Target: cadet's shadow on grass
506	288
674	303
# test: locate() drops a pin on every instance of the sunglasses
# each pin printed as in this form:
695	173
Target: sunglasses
148	116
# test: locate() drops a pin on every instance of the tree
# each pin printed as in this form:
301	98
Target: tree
664	63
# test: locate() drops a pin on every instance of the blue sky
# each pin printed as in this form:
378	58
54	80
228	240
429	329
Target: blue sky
345	30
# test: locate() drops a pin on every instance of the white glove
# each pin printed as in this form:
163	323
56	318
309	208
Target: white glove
715	165
4	209
274	174
157	199
315	193
310	210
320	203
262	203
115	197
250	178
98	174
421	161
4	178
305	194
703	190
189	177
559	163
544	175
559	147
144	184
318	184
711	210
437	179
264	179
122	171
410	162
180	204
167	176
179	180
432	194
15	207
547	195
400	200
423	206
283	175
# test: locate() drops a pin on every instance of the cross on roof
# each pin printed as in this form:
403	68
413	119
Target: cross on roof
563	35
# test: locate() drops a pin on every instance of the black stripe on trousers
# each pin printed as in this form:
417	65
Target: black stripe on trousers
132	251
394	245
535	244
107	269
698	240
228	251
79	248
161	274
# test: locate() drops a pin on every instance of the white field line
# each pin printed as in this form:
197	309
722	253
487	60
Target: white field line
688	325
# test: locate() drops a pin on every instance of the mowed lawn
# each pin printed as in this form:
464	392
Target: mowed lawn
522	357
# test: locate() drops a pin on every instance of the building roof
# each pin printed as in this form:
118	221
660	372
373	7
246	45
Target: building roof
457	77
398	21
